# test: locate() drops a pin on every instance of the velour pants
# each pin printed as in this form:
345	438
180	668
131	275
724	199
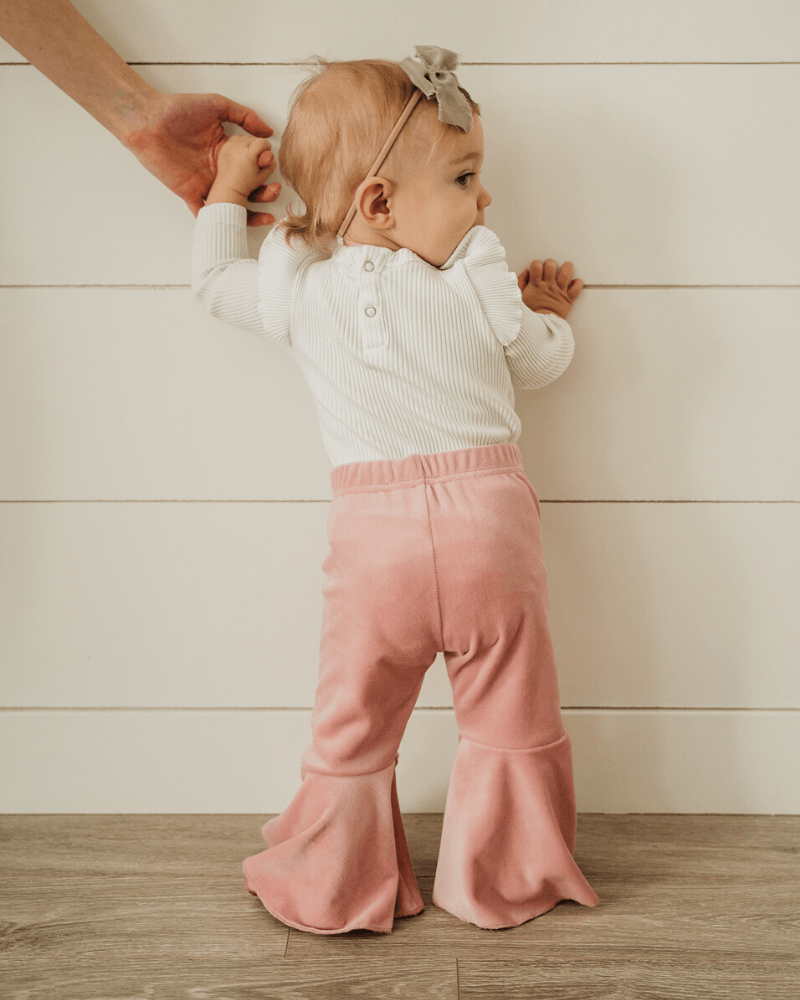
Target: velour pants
428	553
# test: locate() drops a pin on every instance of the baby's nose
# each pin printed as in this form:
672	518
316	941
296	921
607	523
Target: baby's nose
485	198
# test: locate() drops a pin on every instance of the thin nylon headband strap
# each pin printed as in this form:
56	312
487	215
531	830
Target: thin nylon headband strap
376	166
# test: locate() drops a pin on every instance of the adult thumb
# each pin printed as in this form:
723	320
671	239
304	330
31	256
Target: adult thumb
248	120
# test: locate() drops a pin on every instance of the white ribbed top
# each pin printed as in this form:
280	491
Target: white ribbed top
401	357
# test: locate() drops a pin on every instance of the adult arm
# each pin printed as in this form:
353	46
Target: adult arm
175	136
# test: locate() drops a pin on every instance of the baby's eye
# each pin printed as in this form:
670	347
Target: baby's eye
463	180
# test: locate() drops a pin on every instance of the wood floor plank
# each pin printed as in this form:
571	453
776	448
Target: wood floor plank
699	883
138	907
66	923
682	848
647	846
668	975
348	978
59	845
79	845
630	921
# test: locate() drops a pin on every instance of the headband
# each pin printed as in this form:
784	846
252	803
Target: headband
432	76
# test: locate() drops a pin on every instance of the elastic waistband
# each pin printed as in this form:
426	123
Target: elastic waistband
416	468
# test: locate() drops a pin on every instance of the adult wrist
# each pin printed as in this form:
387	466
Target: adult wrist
135	113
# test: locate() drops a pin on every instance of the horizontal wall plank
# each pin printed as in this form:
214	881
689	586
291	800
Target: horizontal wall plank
109	394
164	604
679	394
519	30
656	176
686	762
220	762
172	761
213	604
675	604
119	394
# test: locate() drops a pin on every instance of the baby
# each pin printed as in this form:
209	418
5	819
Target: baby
398	306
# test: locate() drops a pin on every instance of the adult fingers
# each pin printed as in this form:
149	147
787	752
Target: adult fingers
259	218
194	204
267	192
265	173
246	117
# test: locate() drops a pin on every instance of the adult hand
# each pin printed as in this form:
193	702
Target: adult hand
176	136
178	139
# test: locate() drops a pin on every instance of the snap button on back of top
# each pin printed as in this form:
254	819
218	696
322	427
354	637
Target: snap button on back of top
370	311
369	266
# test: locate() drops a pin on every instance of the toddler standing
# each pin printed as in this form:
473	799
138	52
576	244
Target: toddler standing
411	332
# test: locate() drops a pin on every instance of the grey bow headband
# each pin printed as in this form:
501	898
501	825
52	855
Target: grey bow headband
434	75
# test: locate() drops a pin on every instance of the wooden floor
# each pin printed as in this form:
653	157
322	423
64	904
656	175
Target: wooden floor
151	907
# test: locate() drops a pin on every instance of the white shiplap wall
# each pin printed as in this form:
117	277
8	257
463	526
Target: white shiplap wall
164	489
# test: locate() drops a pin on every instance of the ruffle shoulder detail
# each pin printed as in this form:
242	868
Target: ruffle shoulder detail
484	259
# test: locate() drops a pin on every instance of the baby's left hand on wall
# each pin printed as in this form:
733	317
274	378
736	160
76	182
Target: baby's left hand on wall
546	288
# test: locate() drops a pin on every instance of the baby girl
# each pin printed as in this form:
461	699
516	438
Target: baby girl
398	306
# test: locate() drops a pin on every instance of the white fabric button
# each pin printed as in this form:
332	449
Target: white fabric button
370	311
369	266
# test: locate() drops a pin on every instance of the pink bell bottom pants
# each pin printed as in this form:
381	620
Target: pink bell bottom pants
428	553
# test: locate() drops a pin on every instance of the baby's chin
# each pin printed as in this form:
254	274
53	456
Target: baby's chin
441	262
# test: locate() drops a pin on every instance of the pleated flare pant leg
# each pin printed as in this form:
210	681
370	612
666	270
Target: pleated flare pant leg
429	553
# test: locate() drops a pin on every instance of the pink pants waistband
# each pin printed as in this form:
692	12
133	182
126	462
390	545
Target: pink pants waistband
353	476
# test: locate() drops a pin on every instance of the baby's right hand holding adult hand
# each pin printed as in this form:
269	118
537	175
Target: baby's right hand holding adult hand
546	288
244	163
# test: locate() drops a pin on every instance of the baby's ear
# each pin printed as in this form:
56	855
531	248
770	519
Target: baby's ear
372	202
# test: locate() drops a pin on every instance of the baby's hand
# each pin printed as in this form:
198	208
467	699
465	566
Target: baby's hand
244	164
548	288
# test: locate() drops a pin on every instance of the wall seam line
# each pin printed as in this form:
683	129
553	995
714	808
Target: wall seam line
327	500
419	708
151	287
301	65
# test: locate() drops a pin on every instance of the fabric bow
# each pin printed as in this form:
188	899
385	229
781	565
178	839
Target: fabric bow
434	75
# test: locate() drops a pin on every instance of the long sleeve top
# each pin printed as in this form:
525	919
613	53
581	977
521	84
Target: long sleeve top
401	357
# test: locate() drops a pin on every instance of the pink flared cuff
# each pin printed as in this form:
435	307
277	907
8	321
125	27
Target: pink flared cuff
508	835
338	858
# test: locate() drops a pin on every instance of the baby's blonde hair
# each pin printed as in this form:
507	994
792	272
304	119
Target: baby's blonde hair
339	119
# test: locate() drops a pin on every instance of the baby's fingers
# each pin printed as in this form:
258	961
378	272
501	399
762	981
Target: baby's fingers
565	274
523	280
265	159
574	289
256	146
550	268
